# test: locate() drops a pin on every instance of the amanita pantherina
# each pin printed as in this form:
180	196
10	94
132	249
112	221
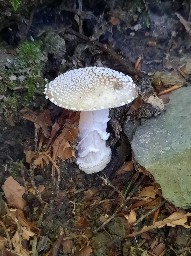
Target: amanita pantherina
92	90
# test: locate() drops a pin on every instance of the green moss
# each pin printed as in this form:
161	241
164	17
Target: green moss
15	168
9	105
22	80
29	62
15	4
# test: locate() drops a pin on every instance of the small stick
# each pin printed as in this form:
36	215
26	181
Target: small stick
108	220
186	24
148	213
172	88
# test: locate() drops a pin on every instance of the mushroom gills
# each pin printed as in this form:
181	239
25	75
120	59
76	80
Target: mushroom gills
93	153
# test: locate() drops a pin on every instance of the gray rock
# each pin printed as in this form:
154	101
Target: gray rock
163	146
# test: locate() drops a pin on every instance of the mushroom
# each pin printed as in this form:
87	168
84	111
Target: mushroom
92	90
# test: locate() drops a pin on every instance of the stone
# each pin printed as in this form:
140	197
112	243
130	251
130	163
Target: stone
162	145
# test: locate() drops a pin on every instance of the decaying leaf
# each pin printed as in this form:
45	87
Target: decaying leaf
81	222
85	251
159	249
53	142
13	193
148	192
27	234
178	218
131	217
67	246
89	193
126	167
42	160
3	242
18	248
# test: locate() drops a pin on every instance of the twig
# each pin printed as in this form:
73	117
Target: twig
80	16
186	24
56	246
148	213
158	224
172	88
108	183
108	220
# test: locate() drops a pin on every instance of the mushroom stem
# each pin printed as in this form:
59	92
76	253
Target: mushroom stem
93	153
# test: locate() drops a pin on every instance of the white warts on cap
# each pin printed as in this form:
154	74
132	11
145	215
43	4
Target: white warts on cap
92	90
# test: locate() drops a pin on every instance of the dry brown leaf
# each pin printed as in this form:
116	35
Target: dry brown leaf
67	246
176	219
85	251
17	243
103	218
23	221
61	146
159	249
148	192
13	193
88	194
42	160
132	217
126	167
81	222
41	188
135	105
29	155
26	233
3	242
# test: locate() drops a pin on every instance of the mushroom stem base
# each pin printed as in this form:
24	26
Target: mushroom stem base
93	153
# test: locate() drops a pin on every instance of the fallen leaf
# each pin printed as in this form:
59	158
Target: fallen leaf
3	242
148	192
159	249
126	167
41	189
42	160
23	221
135	105
103	218
81	222
29	156
26	234
178	218
88	194
67	246
17	243
13	193
61	146
132	217
85	251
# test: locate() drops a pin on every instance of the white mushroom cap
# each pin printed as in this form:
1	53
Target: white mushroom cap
91	88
